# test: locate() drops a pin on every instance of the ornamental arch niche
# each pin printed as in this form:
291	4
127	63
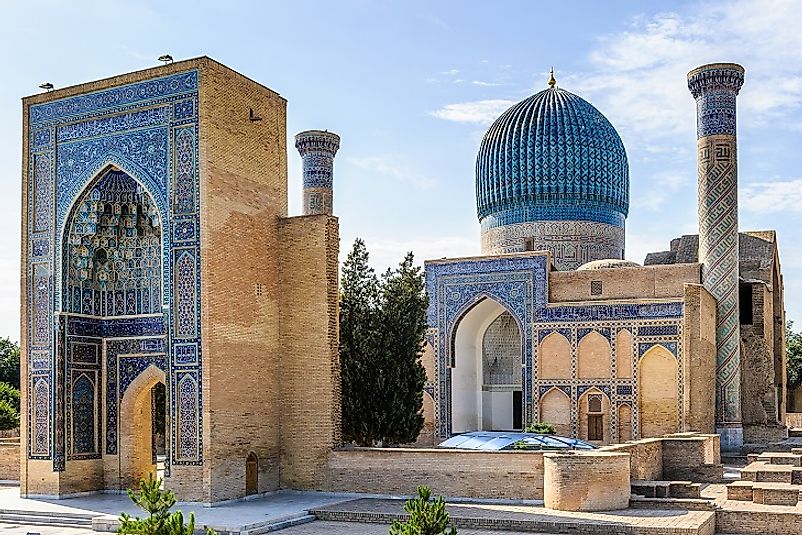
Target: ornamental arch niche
658	402
593	357
555	409
554	357
112	250
487	369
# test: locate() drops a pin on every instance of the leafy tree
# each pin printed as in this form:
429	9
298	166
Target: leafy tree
793	344
157	504
382	324
9	417
402	324
426	516
359	304
541	428
10	395
9	362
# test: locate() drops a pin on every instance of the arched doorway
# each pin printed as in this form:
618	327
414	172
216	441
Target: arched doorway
111	272
555	409
486	370
137	457
251	474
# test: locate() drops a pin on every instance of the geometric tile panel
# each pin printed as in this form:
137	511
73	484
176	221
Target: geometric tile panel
143	136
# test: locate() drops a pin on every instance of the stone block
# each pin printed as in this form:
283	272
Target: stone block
740	490
587	481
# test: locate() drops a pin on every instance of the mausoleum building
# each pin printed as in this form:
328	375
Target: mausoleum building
551	325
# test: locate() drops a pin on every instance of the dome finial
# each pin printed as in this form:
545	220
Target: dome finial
552	81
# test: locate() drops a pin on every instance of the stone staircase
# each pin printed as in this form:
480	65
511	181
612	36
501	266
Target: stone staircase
43	518
770	478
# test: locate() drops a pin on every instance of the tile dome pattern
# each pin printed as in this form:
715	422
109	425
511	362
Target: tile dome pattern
552	157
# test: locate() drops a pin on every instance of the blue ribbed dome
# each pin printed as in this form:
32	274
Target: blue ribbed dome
552	156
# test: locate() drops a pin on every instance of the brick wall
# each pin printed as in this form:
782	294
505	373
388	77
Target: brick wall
699	354
646	457
9	460
586	481
310	373
243	166
472	474
631	283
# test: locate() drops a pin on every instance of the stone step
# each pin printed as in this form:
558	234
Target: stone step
780	458
532	519
39	518
762	472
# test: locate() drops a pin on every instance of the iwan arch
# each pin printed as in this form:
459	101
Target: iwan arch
158	266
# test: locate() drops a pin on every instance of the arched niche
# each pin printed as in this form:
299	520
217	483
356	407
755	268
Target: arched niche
554	357
594	416
555	409
477	404
658	393
593	357
624	353
624	422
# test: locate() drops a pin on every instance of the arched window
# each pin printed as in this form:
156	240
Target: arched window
501	352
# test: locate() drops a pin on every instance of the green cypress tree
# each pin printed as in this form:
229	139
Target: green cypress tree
402	326
359	298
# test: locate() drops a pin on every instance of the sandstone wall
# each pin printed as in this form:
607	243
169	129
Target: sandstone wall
453	473
646	457
659	281
310	366
699	337
9	460
243	165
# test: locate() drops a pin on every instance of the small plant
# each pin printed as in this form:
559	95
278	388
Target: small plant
541	428
426	516
9	417
157	503
522	445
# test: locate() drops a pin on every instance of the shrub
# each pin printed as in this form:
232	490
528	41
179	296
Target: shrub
541	428
9	394
157	503
426	516
9	417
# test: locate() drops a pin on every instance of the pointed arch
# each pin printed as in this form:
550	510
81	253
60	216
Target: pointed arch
658	392
593	357
84	416
251	474
624	422
136	428
555	409
554	357
594	416
624	354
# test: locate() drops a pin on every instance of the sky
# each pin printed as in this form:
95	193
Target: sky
411	86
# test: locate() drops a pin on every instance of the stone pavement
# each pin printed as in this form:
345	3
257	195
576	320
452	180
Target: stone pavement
349	528
532	518
226	517
17	529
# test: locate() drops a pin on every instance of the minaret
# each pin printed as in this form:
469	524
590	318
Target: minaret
317	148
715	88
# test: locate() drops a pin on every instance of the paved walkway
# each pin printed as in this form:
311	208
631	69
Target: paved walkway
229	517
349	528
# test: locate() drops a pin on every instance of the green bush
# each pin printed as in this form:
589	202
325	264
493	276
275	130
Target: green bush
426	516
157	503
9	394
541	428
9	417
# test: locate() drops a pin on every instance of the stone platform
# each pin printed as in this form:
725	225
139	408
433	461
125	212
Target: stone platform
532	518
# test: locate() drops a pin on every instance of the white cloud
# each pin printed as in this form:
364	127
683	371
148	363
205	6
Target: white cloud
387	253
768	197
450	72
390	166
486	84
638	76
479	111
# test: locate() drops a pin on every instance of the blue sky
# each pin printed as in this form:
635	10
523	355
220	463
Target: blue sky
411	87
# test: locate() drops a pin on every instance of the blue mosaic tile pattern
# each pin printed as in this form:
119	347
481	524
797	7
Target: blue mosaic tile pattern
552	156
715	88
149	131
520	285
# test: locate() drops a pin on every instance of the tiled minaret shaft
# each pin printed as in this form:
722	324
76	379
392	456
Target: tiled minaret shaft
715	88
317	148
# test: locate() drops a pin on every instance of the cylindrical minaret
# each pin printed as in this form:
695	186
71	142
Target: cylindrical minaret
317	148
715	88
